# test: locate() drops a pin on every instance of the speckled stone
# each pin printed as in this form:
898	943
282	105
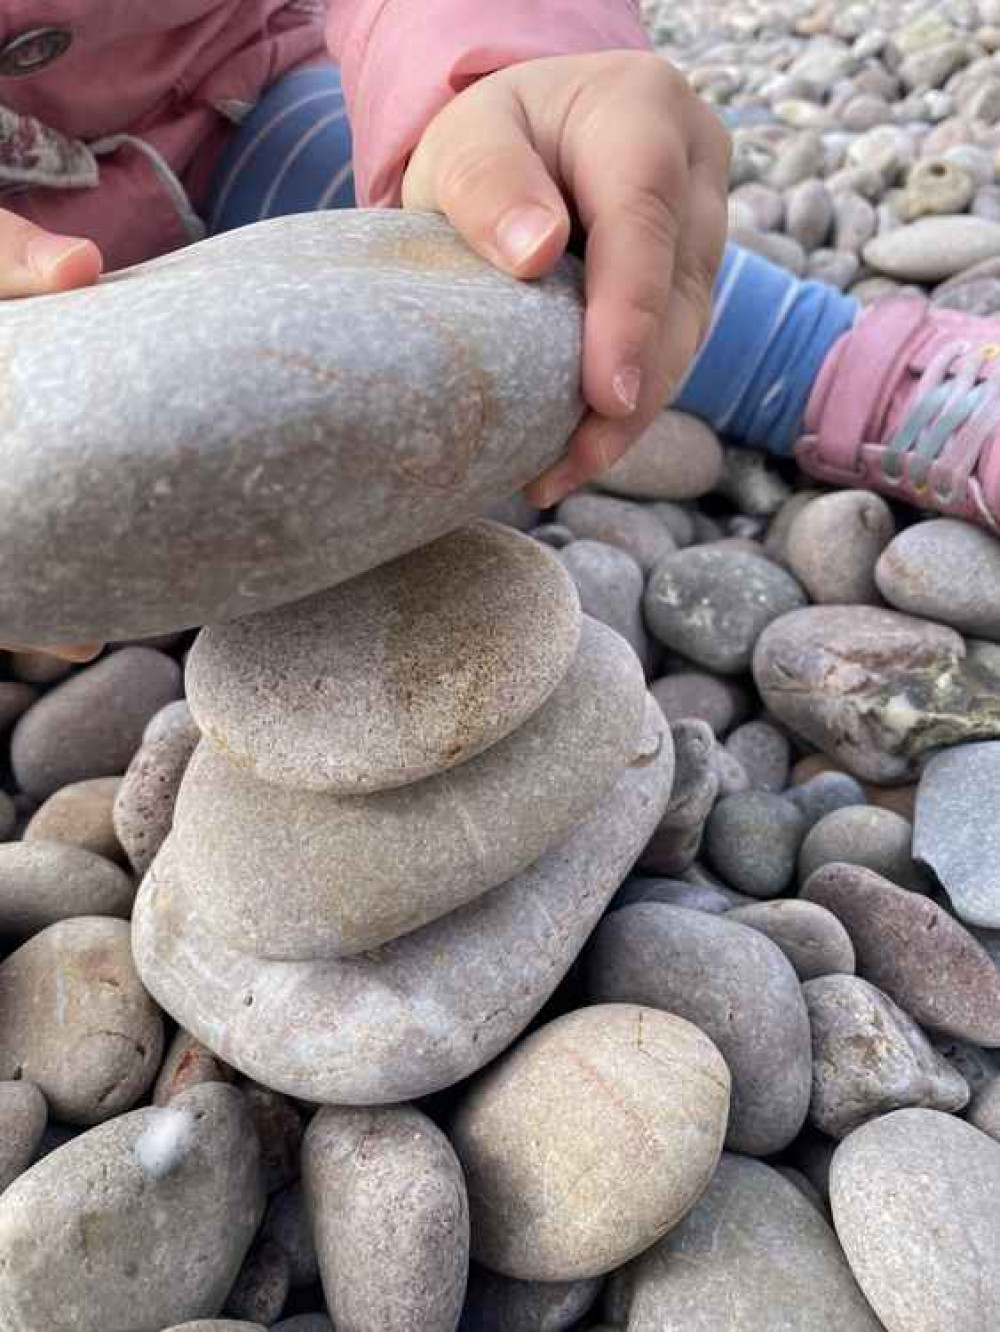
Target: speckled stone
610	585
834	544
44	882
676	840
589	1140
500	1304
933	248
678	458
878	839
733	984
79	815
631	527
764	753
914	1203
403	673
812	938
752	839
347	454
821	795
92	724
411	1018
869	1058
873	689
144	806
914	952
713	604
719	702
753	1249
297	875
947	571
957	827
937	187
390	1218
23	1117
180	1234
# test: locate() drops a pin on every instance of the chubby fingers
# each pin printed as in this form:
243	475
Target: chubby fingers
34	262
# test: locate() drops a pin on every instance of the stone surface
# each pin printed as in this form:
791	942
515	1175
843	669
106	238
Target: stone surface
92	724
678	458
870	1058
45	882
957	827
187	1063
878	839
280	1131
610	585
261	1288
144	806
812	938
947	571
390	1218
735	986
703	697
347	454
633	528
914	952
77	1021
500	1304
410	1020
677	892
764	753
676	840
94	1210
914	1204
289	1225
404	673
589	1141
23	1117
79	815
823	793
933	248
834	544
712	605
755	1251
752	839
873	689
297	875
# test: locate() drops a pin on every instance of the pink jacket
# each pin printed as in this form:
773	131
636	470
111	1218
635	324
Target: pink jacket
144	93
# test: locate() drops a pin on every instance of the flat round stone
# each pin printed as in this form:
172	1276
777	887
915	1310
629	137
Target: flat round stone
441	386
934	248
425	1011
678	457
404	673
302	874
947	571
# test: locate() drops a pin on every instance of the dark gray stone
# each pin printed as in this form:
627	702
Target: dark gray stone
824	793
698	696
610	585
812	938
752	839
500	1304
764	753
956	830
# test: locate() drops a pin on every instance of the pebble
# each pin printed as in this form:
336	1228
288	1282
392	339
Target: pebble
92	724
933	248
610	586
812	938
676	840
854	221
764	753
914	952
390	1217
279	1131
810	214
821	795
45	882
701	696
948	571
344	457
77	1021
677	892
15	700
144	807
762	204
304	874
408	1021
870	1058
217	1325
678	519
590	1140
737	987
752	839
23	1117
834	544
618	522
713	604
553	534
732	776
305	1323
80	815
753	1250
261	1289
74	1224
914	1203
678	457
187	1063
936	186
289	1225
778	249
957	826
514	511
878	839
500	1304
411	669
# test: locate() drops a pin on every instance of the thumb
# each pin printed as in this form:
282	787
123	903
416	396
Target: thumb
478	166
34	262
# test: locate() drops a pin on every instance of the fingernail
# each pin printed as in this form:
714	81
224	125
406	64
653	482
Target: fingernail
45	253
522	232
627	385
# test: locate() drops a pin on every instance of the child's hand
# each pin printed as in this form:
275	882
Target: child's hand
643	163
34	262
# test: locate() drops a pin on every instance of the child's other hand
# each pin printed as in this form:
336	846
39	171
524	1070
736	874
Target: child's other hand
622	140
34	262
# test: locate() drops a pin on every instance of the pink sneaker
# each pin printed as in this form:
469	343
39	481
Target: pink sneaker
908	404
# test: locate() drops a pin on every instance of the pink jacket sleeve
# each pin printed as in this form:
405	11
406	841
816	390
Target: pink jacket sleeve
403	60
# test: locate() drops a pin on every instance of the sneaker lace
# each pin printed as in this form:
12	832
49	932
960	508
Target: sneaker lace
954	404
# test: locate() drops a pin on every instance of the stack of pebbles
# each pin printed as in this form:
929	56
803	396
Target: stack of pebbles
414	798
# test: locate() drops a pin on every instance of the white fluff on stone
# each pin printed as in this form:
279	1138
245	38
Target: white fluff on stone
163	1144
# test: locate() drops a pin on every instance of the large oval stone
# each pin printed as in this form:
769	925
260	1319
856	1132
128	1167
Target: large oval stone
422	1012
44	882
934	248
737	987
402	674
296	875
441	385
948	571
753	1253
914	1198
138	1225
589	1140
956	829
